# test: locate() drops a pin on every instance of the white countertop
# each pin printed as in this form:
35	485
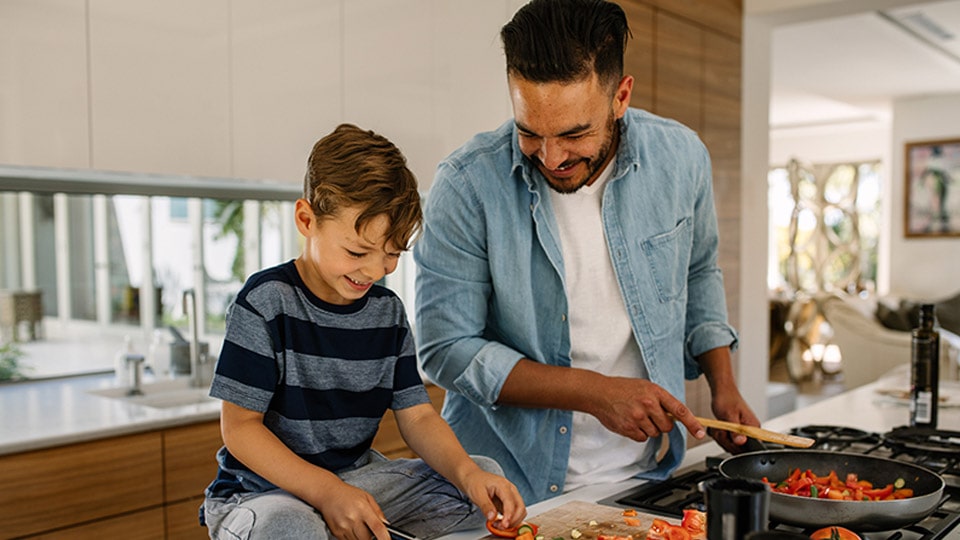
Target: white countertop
862	408
55	412
62	411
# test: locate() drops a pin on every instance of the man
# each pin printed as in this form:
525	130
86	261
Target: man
567	276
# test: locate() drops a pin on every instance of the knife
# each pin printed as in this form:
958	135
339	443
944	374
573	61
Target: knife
758	433
399	534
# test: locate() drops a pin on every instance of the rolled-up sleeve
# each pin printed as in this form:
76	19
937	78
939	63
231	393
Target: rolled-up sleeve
453	288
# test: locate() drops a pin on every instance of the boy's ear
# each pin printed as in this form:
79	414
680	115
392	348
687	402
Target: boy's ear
304	217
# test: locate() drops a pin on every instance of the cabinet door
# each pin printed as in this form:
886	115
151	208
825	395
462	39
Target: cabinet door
145	525
161	86
190	462
44	80
182	521
58	487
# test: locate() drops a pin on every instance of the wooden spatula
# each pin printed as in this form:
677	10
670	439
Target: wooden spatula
758	433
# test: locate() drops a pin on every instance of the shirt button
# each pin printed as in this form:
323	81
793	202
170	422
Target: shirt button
563	317
563	430
554	488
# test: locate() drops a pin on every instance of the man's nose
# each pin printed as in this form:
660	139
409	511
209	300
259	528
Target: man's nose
552	154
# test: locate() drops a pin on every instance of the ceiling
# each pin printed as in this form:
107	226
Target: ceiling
851	68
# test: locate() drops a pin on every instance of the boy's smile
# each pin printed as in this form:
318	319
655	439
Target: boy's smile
338	264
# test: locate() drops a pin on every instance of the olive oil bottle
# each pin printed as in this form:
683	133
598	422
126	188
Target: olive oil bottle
924	371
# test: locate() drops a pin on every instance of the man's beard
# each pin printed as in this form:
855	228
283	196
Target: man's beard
594	165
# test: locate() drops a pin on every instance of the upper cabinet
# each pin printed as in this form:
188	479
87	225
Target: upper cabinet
286	83
160	86
43	84
243	88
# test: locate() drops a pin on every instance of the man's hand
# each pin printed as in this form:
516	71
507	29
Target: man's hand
729	405
640	409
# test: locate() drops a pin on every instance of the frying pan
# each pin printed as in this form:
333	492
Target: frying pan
857	515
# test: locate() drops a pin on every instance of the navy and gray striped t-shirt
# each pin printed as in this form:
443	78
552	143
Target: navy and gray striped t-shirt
322	374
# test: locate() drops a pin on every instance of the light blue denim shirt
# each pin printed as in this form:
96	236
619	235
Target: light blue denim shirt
490	285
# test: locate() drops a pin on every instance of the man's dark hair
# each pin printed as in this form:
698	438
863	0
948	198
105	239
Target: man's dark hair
566	40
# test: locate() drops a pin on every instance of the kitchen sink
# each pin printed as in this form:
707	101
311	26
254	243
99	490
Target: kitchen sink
161	394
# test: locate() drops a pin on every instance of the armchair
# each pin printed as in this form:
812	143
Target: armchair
869	349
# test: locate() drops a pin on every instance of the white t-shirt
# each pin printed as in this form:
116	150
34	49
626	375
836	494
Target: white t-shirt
600	336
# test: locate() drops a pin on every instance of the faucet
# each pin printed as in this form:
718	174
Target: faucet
134	362
190	309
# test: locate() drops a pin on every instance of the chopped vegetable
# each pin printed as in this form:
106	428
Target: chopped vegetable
525	528
662	530
575	533
632	521
629	512
513	532
834	533
695	522
809	484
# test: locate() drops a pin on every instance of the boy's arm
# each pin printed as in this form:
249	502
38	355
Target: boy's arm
348	511
429	435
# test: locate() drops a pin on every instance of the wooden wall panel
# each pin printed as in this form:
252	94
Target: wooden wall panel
723	16
638	60
679	76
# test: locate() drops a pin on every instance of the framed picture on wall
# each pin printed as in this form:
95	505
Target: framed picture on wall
932	193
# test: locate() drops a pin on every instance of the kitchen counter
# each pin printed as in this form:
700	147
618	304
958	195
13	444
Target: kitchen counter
864	408
55	412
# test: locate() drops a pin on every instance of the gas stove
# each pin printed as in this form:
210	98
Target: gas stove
936	450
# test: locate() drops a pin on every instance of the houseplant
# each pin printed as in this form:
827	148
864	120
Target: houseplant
10	367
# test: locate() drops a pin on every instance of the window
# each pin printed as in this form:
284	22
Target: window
112	263
824	226
824	232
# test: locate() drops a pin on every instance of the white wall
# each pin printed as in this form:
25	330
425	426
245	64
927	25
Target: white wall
921	267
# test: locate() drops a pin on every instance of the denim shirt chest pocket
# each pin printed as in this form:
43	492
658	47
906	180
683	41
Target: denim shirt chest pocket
667	256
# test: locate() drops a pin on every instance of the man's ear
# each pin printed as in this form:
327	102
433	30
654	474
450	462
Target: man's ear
621	98
304	217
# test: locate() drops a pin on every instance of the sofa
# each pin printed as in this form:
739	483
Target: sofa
874	335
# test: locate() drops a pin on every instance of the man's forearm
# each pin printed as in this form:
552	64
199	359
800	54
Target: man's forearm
536	385
717	367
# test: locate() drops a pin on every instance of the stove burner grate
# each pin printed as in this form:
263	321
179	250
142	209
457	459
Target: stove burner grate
832	433
924	440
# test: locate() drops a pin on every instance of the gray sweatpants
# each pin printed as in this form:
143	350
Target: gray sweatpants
412	496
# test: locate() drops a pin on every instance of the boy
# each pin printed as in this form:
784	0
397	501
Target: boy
315	352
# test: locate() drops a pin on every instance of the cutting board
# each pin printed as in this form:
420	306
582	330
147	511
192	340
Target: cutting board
560	521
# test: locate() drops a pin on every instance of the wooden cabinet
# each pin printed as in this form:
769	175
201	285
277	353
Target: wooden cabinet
143	486
121	487
190	464
58	487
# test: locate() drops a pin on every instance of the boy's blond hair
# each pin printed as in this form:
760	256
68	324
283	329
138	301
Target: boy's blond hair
352	167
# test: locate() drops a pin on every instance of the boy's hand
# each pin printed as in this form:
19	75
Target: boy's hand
351	513
495	494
